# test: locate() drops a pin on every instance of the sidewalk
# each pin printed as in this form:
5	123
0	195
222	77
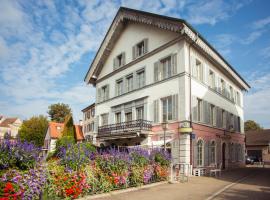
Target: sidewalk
196	188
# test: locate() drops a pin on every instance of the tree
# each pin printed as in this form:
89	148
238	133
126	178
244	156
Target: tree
34	130
251	125
68	134
58	112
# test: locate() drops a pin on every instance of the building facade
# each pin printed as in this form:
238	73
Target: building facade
258	144
88	122
9	126
152	69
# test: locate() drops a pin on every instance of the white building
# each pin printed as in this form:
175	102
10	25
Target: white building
88	122
151	69
9	126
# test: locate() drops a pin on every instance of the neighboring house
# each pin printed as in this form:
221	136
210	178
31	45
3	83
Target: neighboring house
10	126
258	144
88	122
151	69
54	132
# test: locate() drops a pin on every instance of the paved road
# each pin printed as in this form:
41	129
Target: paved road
255	185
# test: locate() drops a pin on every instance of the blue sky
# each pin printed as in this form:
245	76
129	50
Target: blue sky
46	48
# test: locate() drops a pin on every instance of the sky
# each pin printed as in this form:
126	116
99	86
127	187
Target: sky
46	48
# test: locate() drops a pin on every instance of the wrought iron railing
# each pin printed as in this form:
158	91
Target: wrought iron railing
124	127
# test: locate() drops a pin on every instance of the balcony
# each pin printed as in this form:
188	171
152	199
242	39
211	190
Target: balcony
124	129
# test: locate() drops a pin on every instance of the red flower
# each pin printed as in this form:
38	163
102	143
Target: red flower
8	188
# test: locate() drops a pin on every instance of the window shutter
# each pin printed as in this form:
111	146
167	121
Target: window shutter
175	107
174	64
114	64
206	74
156	111
227	120
235	123
206	153
134	52
194	109
107	92
99	95
145	45
214	82
195	153
124	58
218	84
193	67
215	116
218	118
156	72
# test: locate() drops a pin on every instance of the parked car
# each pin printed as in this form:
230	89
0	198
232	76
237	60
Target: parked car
251	159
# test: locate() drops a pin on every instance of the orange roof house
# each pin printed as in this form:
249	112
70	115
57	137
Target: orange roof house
54	132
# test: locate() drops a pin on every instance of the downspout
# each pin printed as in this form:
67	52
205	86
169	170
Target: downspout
190	96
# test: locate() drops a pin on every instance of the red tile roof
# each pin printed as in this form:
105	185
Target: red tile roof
56	129
79	133
7	122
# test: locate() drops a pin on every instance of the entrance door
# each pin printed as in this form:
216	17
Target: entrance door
223	155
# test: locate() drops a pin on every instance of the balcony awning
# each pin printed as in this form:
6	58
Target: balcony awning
160	143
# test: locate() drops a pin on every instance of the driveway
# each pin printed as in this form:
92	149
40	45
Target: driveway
254	184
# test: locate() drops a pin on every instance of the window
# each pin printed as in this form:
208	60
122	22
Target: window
103	93
92	126
119	61
223	119
93	112
212	115
167	67
118	117
139	113
140	49
198	70
231	93
104	119
167	108
211	79
200	153
199	111
213	152
88	114
140	78
129	83
119	87
223	89
128	116
238	98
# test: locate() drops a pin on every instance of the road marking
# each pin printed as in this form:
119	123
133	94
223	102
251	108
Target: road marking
228	186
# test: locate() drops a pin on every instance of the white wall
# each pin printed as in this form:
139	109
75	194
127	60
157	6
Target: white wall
131	35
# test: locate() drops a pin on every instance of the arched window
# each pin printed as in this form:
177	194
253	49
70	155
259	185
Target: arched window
200	153
213	152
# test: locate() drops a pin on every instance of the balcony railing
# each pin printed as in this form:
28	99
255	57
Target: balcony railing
124	128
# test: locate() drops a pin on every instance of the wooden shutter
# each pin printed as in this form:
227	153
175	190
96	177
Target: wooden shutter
174	64
107	92
175	107
114	63
124	58
227	120
206	153
195	152
218	118
156	72
134	52
99	95
193	67
156	111
214	116
145	45
206	74
194	109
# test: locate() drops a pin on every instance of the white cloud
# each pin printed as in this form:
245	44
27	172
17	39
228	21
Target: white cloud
261	23
265	52
252	37
223	43
257	105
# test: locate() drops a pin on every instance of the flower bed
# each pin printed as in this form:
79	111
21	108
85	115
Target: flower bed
80	170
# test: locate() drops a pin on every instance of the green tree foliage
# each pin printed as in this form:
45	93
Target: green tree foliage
251	125
58	112
68	134
34	130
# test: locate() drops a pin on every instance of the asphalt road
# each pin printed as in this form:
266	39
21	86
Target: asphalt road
255	186
238	184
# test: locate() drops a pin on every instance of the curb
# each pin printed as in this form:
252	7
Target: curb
96	196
